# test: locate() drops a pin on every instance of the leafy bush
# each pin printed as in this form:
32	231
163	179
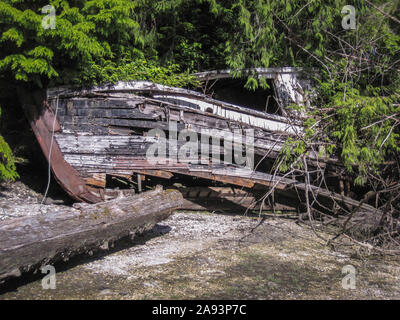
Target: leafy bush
7	161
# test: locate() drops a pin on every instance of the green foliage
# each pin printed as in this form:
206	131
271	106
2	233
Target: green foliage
94	41
169	75
357	95
7	161
277	33
289	156
365	127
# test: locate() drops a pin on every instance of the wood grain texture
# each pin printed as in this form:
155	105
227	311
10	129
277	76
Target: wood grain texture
36	240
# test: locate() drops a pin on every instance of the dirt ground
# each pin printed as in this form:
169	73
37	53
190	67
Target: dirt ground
197	255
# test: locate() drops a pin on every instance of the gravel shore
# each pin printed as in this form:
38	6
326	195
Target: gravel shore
203	255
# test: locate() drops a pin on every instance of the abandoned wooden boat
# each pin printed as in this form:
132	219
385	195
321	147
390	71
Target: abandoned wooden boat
107	131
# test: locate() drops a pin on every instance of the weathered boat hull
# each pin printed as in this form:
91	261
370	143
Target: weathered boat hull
104	131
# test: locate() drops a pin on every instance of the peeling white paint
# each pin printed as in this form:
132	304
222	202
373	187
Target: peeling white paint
235	115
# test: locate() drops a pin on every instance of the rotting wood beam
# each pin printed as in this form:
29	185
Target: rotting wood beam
329	199
268	73
155	173
31	241
238	181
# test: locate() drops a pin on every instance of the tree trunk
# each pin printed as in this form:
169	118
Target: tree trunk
36	240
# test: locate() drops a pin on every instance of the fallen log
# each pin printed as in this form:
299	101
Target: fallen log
28	242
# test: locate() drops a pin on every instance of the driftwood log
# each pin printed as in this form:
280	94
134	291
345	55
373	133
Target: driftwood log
28	242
